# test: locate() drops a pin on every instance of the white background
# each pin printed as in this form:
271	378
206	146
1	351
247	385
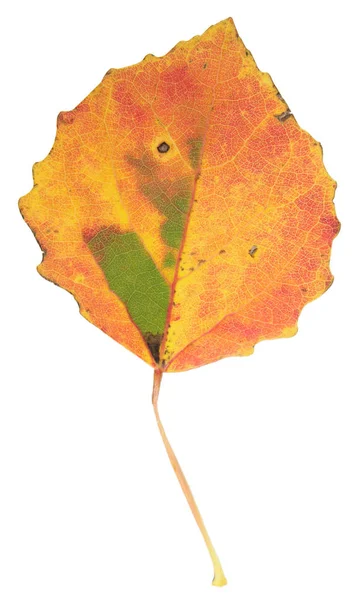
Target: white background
89	506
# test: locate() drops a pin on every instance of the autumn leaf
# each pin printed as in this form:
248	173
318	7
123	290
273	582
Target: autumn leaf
185	210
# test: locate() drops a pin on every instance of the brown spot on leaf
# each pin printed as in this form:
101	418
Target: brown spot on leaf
164	147
284	115
280	97
252	251
153	342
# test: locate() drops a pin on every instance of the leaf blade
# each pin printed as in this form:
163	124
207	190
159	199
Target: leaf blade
197	157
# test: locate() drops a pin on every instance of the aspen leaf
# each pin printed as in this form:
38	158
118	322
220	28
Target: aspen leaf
186	211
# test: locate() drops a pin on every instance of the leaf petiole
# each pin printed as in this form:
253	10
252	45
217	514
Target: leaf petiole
219	577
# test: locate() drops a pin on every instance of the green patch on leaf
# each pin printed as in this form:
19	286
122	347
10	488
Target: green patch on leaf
169	260
196	145
172	230
171	198
133	276
174	207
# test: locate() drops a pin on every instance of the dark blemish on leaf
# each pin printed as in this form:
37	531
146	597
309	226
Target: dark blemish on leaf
201	261
153	342
205	65
280	97
284	115
222	252
162	148
191	269
247	53
304	289
252	251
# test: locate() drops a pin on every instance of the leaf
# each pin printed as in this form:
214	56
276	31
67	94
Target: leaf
185	209
183	206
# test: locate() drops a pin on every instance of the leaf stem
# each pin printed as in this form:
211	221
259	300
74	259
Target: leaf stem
219	577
